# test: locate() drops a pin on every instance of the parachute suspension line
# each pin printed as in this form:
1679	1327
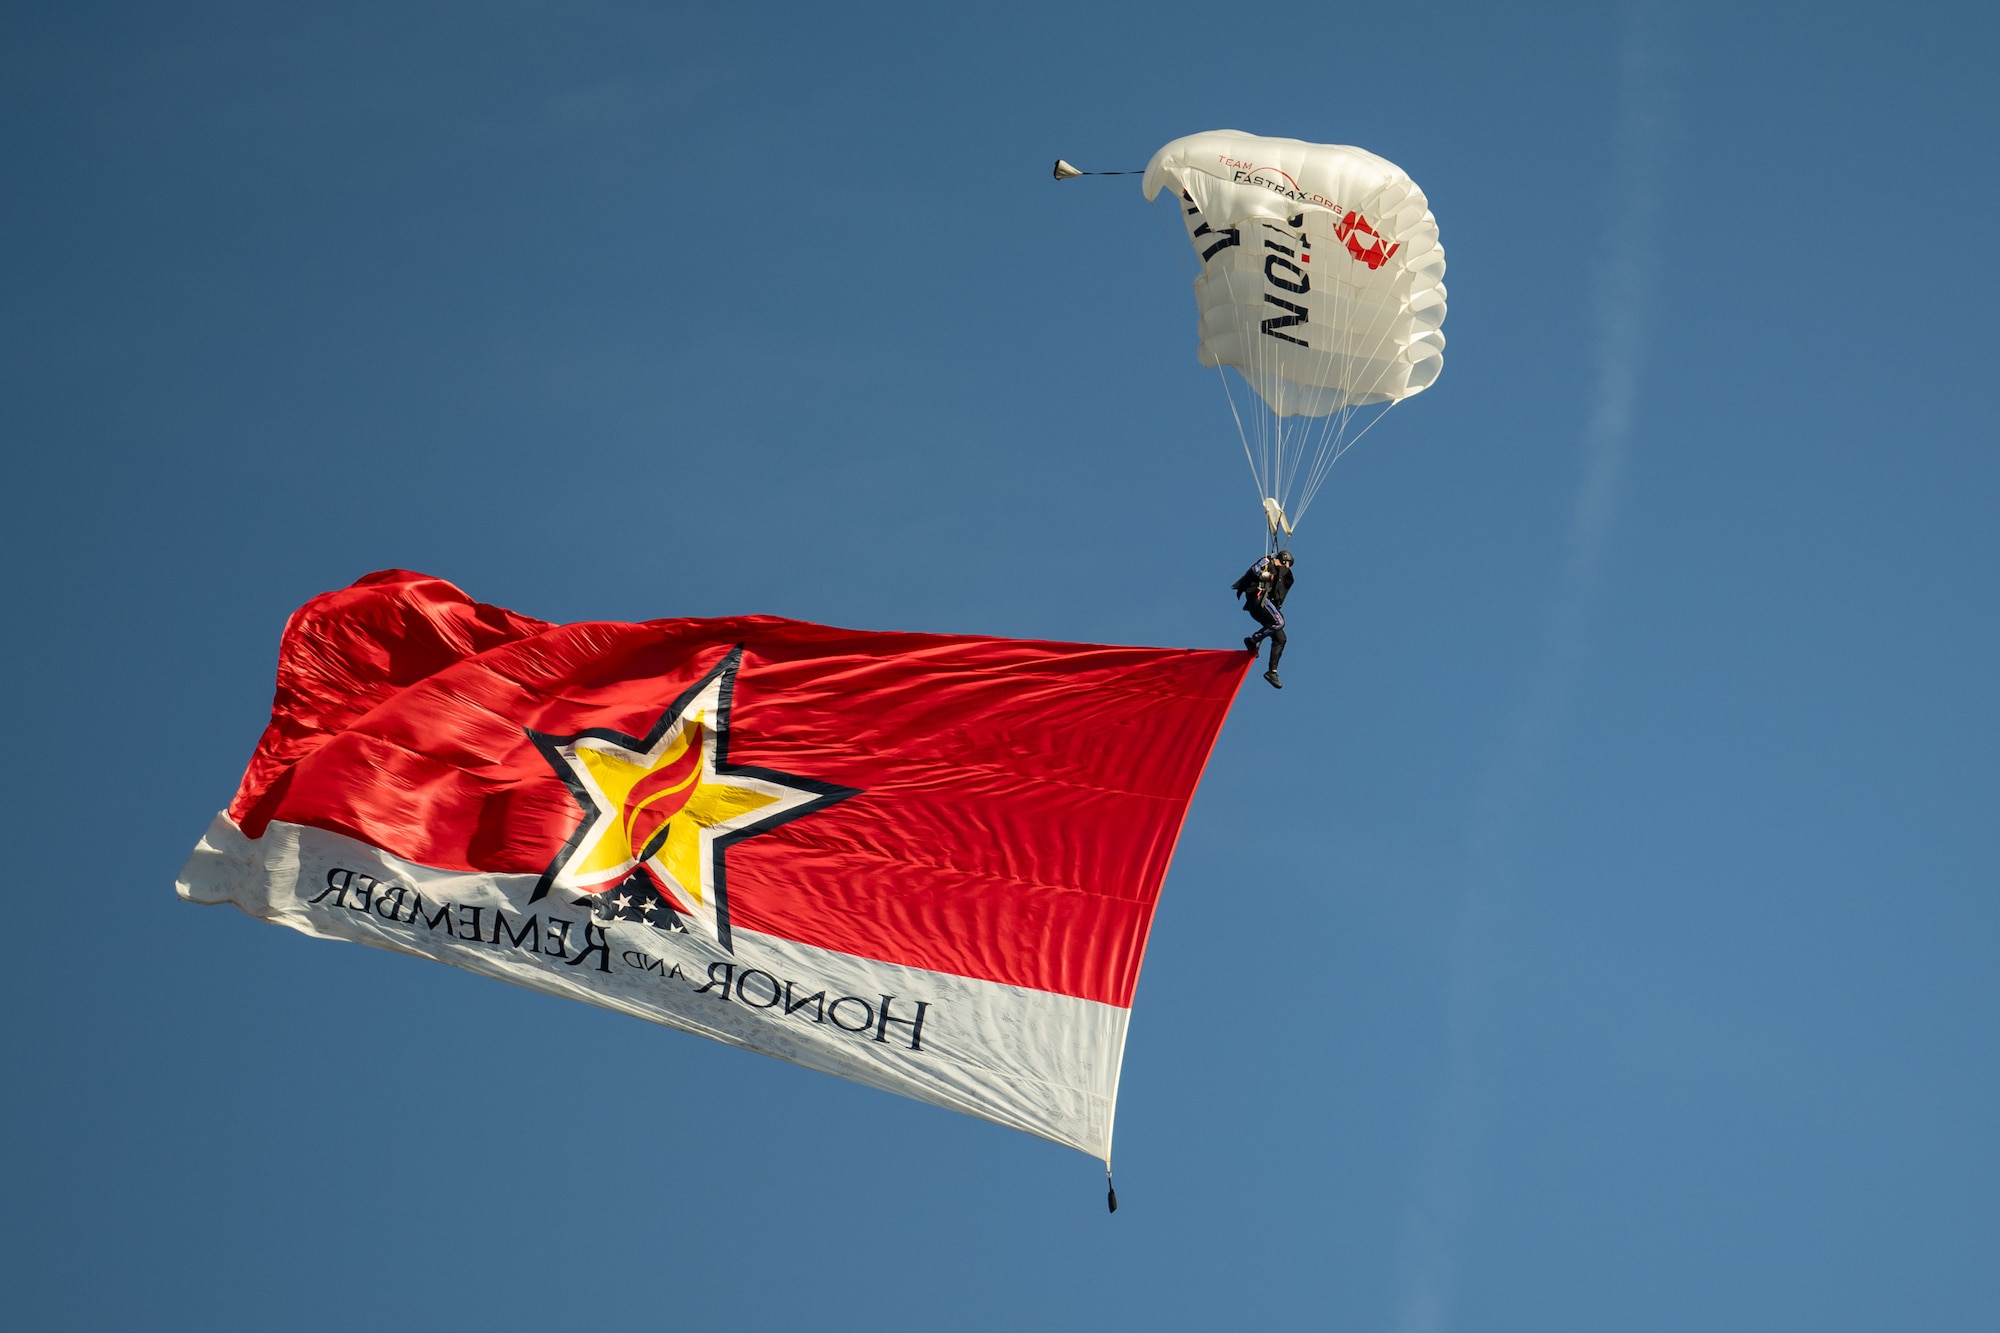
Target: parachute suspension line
1230	394
1324	456
1281	437
1325	359
1300	434
1322	470
1271	439
1270	435
1334	424
1176	235
1328	353
1334	428
1259	375
1334	443
1333	440
1255	378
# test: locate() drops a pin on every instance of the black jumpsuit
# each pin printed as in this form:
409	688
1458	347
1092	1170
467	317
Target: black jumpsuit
1264	586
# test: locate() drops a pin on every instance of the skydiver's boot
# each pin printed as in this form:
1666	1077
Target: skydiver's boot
1251	643
1272	676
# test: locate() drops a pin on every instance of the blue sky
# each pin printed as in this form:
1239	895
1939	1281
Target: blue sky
1598	932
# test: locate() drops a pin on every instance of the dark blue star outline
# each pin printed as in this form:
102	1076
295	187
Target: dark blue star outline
826	793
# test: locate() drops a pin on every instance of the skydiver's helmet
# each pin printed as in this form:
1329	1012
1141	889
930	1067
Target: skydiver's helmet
1285	559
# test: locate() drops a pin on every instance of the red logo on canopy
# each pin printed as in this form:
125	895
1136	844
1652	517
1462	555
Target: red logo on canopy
1363	241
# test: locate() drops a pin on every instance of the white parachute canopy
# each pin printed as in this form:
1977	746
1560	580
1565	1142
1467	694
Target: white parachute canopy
1322	285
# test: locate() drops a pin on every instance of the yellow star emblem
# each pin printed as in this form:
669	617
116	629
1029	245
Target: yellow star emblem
665	807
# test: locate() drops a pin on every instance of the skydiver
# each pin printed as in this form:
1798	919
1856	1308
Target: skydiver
1263	589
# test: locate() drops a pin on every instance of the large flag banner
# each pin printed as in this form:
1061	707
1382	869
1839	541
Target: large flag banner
924	862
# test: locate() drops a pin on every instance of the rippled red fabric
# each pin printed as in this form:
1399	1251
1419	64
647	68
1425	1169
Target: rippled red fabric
1018	801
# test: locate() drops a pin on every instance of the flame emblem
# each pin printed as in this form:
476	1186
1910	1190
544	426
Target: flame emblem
660	795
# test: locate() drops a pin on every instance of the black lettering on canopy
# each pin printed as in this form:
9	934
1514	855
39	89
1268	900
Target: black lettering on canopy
1272	263
1297	234
1230	237
1276	322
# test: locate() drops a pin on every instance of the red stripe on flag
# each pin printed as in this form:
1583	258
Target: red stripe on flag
1017	802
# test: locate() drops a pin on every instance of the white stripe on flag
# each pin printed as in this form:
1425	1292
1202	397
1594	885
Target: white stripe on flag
1035	1061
